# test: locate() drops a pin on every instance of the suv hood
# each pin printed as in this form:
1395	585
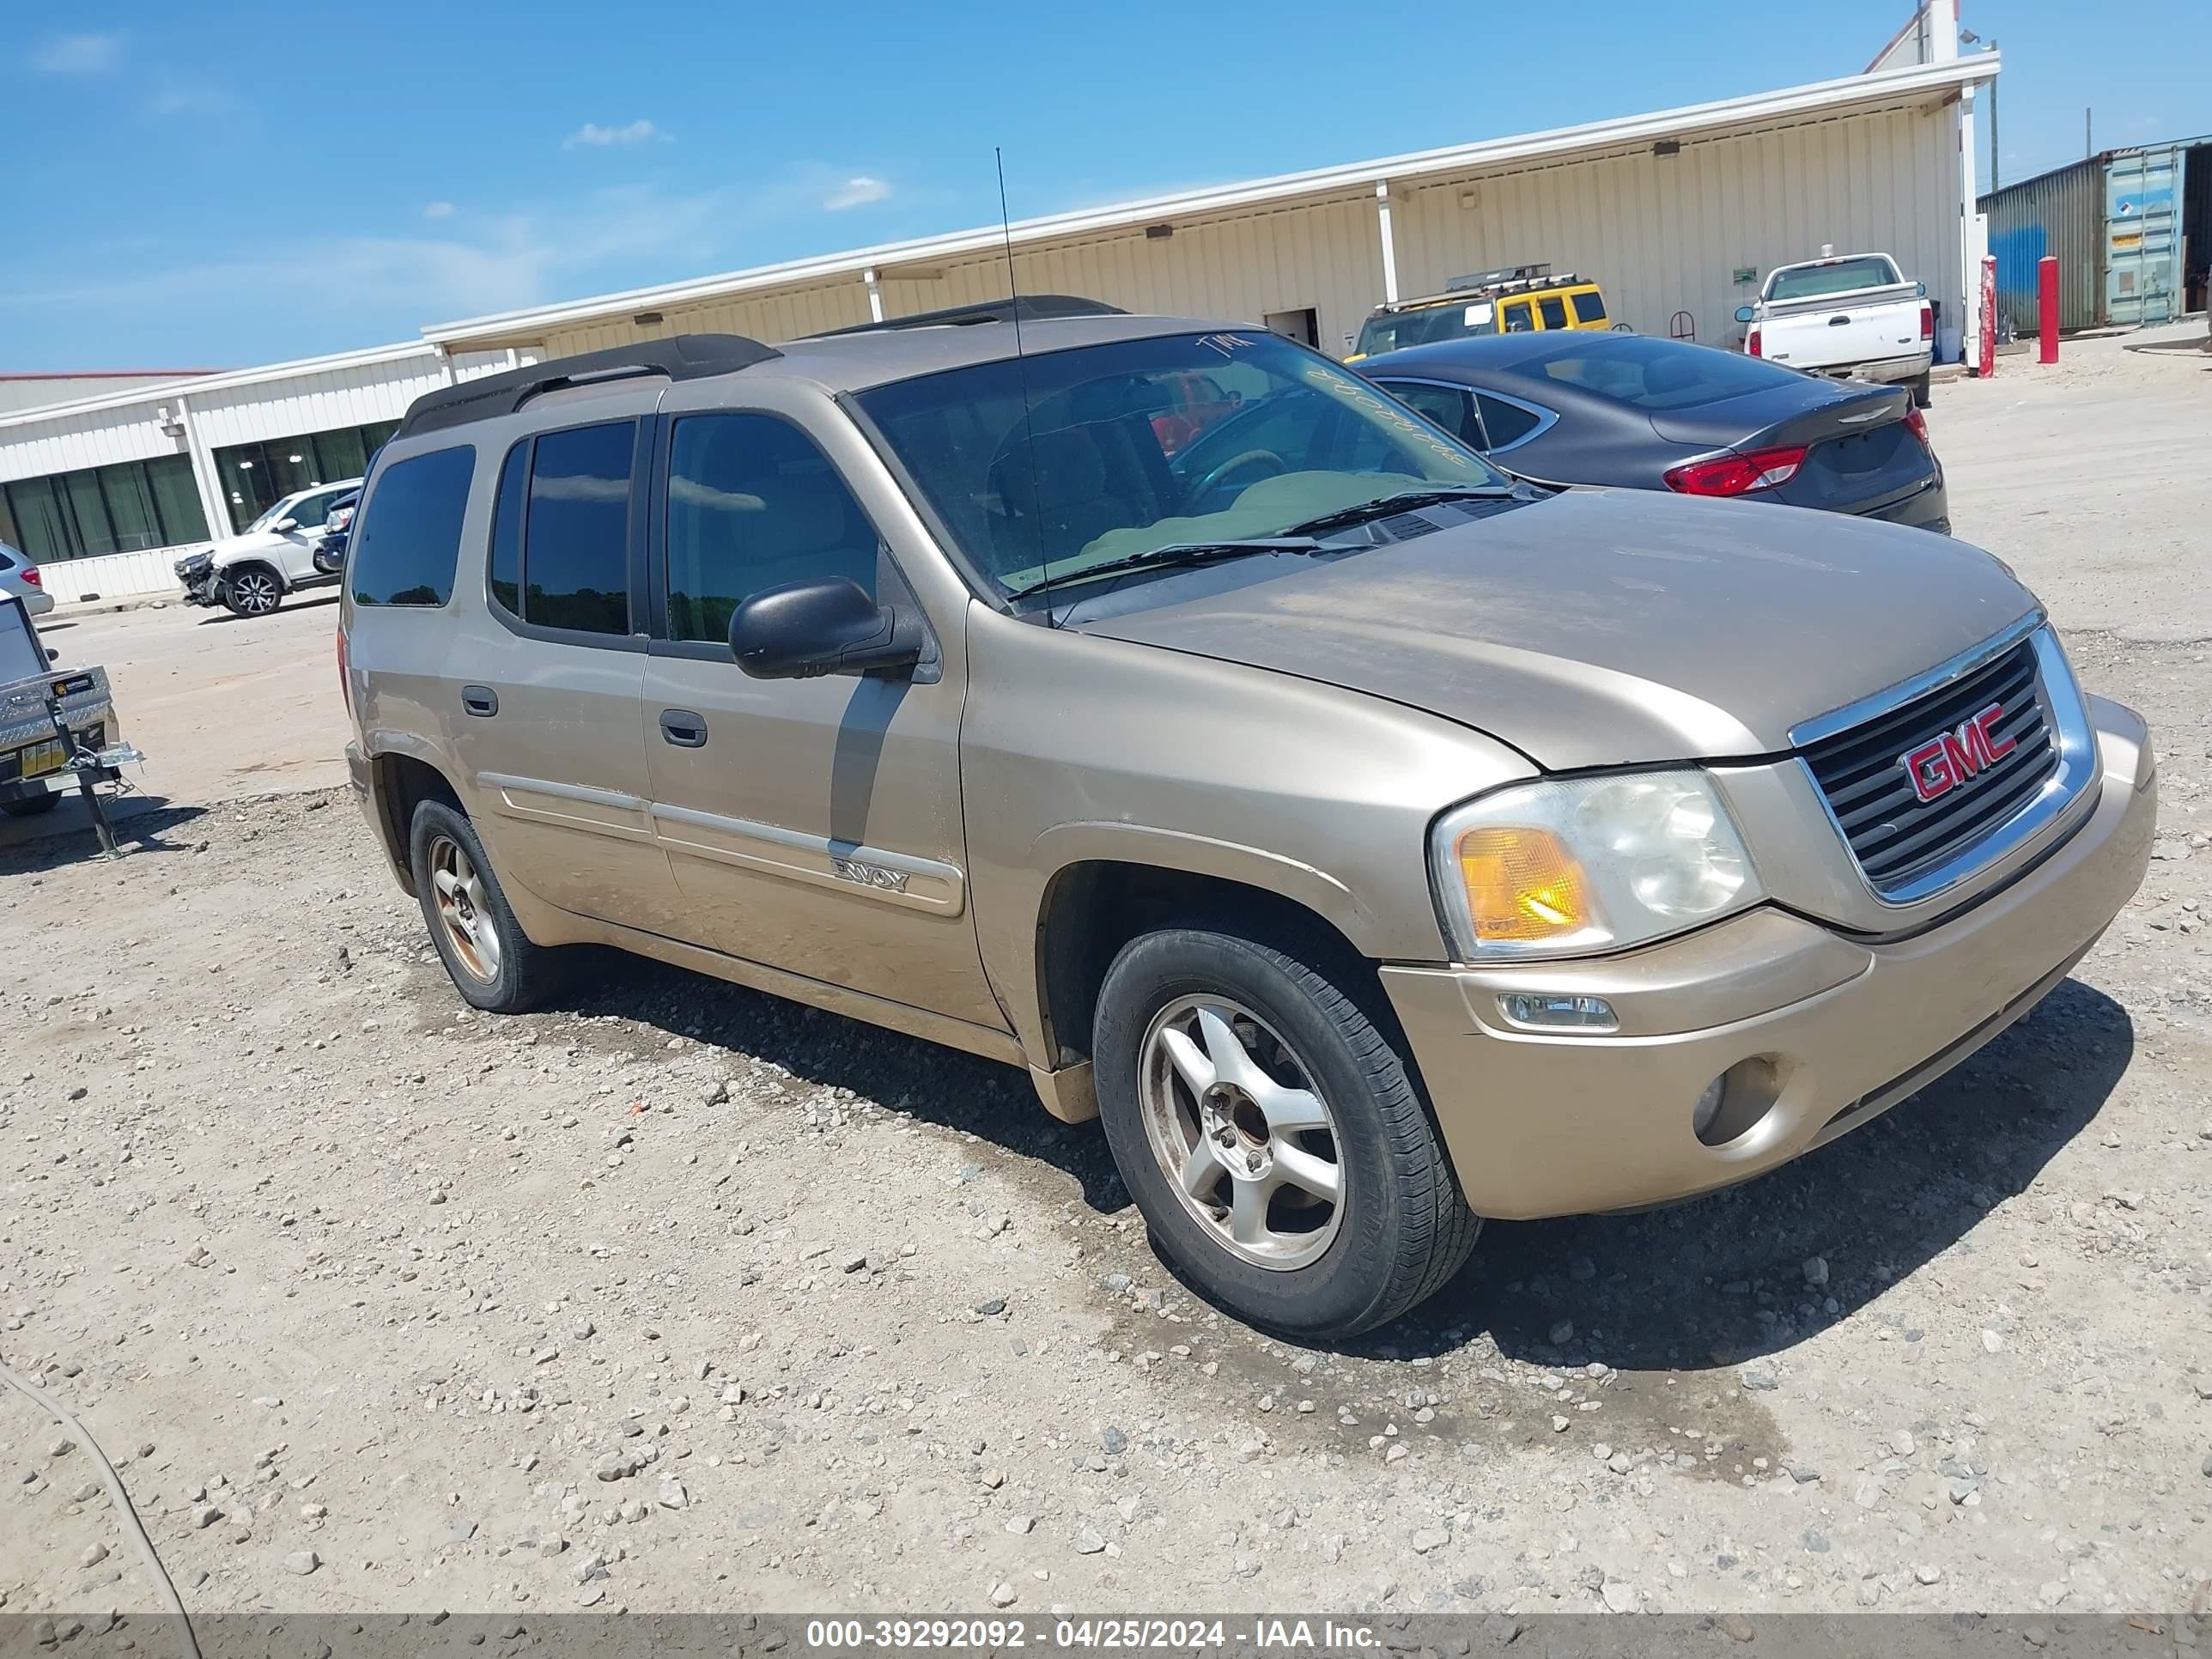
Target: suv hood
1608	627
246	541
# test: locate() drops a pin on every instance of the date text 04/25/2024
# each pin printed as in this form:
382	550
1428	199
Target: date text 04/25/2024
999	1634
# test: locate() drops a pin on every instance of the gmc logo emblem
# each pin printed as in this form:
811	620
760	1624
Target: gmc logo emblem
1943	762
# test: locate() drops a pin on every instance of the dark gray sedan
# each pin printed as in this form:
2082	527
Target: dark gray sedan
1585	408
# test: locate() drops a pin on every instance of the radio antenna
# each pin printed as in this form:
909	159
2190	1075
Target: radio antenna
1022	379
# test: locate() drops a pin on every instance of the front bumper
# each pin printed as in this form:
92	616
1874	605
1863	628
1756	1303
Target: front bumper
1832	1030
199	581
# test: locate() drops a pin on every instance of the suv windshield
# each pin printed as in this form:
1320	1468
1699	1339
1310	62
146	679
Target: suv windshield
1426	326
289	507
1831	276
1107	465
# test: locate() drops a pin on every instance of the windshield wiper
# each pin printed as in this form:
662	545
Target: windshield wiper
1403	501
1175	553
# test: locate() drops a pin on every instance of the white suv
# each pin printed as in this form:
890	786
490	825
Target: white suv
252	571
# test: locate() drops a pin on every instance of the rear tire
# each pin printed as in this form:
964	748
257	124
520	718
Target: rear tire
492	962
1921	396
1238	1086
252	590
32	807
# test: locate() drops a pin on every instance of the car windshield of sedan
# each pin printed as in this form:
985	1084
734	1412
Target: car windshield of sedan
1046	466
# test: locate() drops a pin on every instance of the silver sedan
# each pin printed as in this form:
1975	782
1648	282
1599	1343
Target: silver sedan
20	576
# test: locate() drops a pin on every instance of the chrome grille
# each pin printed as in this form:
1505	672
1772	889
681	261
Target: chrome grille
1897	837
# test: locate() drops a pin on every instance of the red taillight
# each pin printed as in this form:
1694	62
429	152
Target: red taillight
1738	475
1927	322
1751	342
1917	424
29	573
345	680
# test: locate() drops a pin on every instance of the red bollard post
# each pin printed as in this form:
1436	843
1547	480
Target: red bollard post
2046	296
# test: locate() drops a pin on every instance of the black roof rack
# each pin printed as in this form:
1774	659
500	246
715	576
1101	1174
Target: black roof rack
1031	307
680	358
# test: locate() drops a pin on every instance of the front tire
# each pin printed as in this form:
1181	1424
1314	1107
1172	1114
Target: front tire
1273	1137
252	590
492	962
31	806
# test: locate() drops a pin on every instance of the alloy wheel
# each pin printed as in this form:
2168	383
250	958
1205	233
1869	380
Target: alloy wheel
464	909
256	592
1245	1138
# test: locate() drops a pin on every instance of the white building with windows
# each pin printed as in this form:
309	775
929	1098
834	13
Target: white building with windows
1678	214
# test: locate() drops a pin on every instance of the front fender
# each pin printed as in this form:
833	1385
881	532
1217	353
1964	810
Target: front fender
1318	890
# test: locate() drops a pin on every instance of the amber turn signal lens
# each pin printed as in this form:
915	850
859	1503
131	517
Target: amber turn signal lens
1521	884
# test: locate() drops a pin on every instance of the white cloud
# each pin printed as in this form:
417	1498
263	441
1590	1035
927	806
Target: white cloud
451	268
438	211
91	53
637	132
186	95
857	192
440	266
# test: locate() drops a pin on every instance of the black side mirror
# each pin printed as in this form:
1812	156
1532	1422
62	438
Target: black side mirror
826	626
1743	313
52	655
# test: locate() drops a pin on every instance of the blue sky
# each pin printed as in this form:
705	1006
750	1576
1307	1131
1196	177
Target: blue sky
221	184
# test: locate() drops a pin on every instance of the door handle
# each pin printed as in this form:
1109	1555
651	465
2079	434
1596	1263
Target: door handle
480	701
684	728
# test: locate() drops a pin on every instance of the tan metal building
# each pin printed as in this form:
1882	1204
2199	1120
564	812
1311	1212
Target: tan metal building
1678	213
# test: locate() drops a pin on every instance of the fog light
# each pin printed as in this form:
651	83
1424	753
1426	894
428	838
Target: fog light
1708	1108
1737	1101
1559	1013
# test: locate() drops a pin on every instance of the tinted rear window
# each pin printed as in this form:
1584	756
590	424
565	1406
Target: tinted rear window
1630	368
1833	277
409	539
575	543
1589	307
1505	423
507	529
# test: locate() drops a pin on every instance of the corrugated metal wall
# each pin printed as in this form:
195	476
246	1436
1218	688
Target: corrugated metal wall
64	443
1663	234
1666	233
2061	214
315	402
106	575
772	315
1323	257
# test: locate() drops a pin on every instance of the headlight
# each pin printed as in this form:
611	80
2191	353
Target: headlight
1585	864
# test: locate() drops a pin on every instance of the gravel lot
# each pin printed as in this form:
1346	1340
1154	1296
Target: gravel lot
678	1298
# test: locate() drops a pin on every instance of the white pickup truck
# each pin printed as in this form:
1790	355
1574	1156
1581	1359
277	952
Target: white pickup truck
1852	315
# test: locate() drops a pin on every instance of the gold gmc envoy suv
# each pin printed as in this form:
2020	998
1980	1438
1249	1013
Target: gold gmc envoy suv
1376	843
